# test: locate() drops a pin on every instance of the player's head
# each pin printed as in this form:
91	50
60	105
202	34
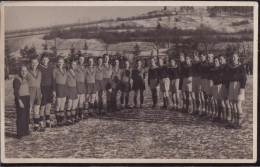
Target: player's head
106	58
34	62
161	62
202	56
216	61
90	61
210	57
81	59
116	62
153	62
139	63
44	60
188	59
60	61
235	58
23	70
127	64
73	64
173	62
182	57
196	57
99	61
222	59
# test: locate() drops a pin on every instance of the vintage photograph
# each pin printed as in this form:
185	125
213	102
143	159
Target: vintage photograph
158	82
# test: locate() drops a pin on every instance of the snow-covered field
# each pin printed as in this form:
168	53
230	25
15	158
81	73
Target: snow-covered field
142	133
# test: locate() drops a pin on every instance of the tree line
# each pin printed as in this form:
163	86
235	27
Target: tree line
126	36
174	39
157	38
230	10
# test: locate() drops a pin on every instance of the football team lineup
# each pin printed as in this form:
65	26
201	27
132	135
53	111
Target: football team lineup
128	82
210	88
126	123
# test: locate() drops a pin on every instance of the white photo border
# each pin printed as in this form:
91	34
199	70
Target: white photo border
128	3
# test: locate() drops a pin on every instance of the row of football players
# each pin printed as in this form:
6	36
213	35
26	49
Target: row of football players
209	86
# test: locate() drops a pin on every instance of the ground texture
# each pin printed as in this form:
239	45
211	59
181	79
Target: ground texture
138	133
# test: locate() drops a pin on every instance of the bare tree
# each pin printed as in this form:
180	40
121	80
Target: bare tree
157	41
155	44
214	43
209	41
137	50
167	37
55	45
106	46
85	47
107	39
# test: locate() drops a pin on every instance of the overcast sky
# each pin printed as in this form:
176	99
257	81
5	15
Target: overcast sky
31	17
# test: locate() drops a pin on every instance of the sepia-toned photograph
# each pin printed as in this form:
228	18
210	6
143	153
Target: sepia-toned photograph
100	82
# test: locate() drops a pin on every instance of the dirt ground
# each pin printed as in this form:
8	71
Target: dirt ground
138	134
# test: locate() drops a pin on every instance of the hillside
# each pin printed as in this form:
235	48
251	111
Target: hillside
193	21
221	24
181	21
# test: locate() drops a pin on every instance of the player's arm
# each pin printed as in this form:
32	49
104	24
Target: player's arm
226	76
149	74
144	74
16	86
158	76
243	80
54	82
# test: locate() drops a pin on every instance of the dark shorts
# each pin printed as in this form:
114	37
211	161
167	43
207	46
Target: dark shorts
35	96
125	86
99	85
72	93
116	83
154	83
46	95
107	81
90	88
138	85
61	90
81	88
